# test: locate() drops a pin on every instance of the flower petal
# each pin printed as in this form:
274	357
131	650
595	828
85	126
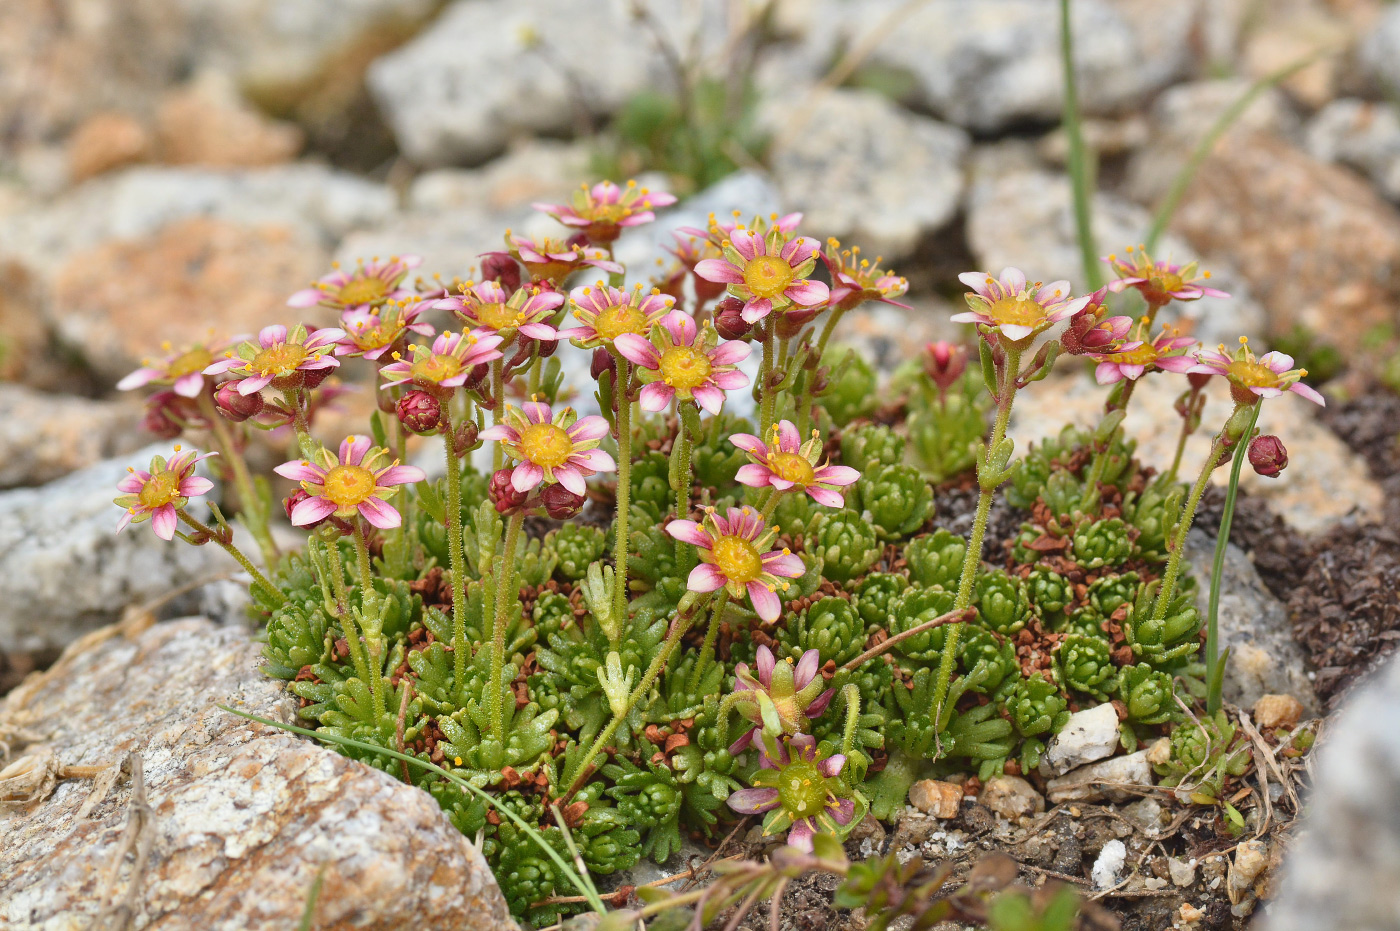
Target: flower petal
638	350
312	510
587	428
655	396
765	603
164	521
1305	391
571	478
380	513
526	476
708	397
718	270
705	578
827	497
836	475
753	475
753	801
806	292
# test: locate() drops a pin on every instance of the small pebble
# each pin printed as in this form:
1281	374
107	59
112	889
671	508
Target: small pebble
940	799
1183	872
1189	912
1277	711
1250	859
1012	797
1109	863
1160	751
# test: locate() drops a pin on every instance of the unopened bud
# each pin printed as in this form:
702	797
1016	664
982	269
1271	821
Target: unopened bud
312	378
465	439
1198	380
791	322
167	413
502	269
419	412
234	406
477	376
560	503
706	290
729	319
944	363
503	493
1268	455
603	361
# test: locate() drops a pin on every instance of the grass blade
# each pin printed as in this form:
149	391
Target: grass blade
1081	172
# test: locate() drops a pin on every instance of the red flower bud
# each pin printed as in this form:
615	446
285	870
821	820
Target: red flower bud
944	363
501	268
167	414
560	503
791	321
419	412
503	493
312	378
603	361
729	320
234	406
1268	455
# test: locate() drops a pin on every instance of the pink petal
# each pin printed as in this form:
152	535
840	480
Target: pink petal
126	519
730	381
705	578
806	669
638	350
1305	391
133	483
537	412
843	811
977	281
500	431
688	531
253	384
164	521
753	475
306	297
587	428
789	440
380	513
270	336
800	835
1277	362
140	377
831	766
788	565
1013	280
194	486
353	449
656	396
593	460
756	310
1014	331
819	704
539	331
730	352
400	475
749	444
827	497
765	662
718	270
570	478
836	475
968	316
312	510
806	292
746	244
1107	373
526	476
765	603
1131	371
709	397
681	326
753	801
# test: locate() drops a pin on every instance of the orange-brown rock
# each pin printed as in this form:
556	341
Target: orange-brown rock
105	141
207	124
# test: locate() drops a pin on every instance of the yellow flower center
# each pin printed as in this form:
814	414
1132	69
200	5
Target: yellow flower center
364	290
436	368
1166	281
738	559
793	468
1253	374
609	213
196	360
281	359
160	490
613	322
1143	355
546	445
802	789
1021	311
370	337
496	316
768	276
348	485
684	368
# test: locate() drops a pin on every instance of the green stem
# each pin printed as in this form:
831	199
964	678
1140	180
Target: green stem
304	441
624	486
369	607
1186	431
255	508
707	649
673	637
1188	514
1080	169
498	408
804	402
337	574
453	519
236	553
506	594
851	693
1215	673
767	398
972	560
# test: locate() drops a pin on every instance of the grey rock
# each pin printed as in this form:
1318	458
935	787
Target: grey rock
490	70
243	816
751	192
1182	872
66	571
1264	657
1342	870
1106	779
1146	813
988	64
864	170
1362	134
45	436
1089	735
1024	216
1378	56
1012	797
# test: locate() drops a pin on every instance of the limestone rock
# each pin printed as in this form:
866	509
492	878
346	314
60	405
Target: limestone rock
1182	872
864	170
105	141
1362	134
245	816
1264	657
1106	779
65	570
1012	797
45	436
940	799
1277	711
1342	869
1108	864
1089	735
1318	246
1379	53
208	124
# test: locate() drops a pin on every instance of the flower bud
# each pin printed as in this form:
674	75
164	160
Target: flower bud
167	414
603	361
501	268
560	503
944	363
477	375
503	493
729	320
234	406
706	290
312	378
1198	380
419	412
792	320
1268	455
465	440
158	423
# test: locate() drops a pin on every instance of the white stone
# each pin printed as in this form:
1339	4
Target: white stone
1108	865
1363	134
1011	797
1090	735
1107	779
1183	872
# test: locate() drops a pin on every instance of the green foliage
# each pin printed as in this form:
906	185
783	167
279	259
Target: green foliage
1084	664
917	606
1147	694
1102	543
868	446
1002	602
576	546
852	391
898	498
875	596
831	626
1204	755
944	430
936	559
1037	707
845	543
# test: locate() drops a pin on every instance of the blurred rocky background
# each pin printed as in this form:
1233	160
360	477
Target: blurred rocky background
175	168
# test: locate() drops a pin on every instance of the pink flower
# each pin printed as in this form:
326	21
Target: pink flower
552	261
1159	282
1090	330
367	286
352	482
716	233
160	493
372	332
855	280
1131	359
732	556
447	365
681	360
606	313
183	371
789	694
1018	309
486	307
792	464
1268	376
800	790
605	209
768	272
552	447
279	358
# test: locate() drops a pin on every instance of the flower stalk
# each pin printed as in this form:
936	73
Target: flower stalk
1215	660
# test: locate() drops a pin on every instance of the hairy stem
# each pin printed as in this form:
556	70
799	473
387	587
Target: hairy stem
624	485
255	509
506	595
369	607
1215	674
498	407
851	693
1183	527
767	397
453	519
236	553
707	649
